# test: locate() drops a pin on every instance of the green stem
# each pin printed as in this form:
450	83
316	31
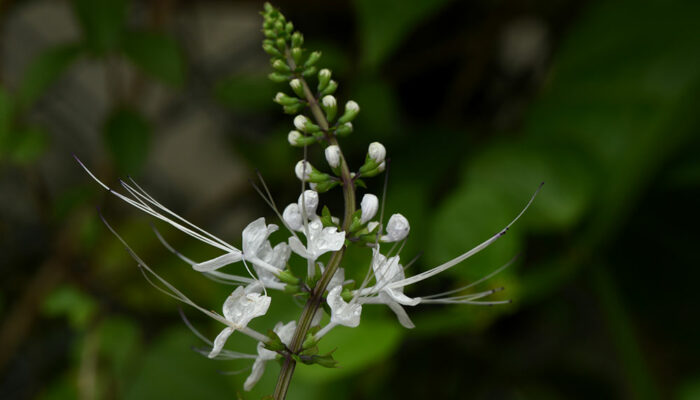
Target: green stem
316	297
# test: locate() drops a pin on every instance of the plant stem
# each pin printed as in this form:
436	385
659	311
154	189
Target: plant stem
314	302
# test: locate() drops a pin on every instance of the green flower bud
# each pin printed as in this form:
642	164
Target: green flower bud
285	100
280	66
330	89
289	27
286	276
324	76
303	124
351	111
297	87
278	77
271	50
297	55
323	187
294	108
281	44
313	59
330	107
297	39
309	71
344	129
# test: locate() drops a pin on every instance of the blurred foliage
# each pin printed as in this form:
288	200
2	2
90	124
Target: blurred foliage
610	126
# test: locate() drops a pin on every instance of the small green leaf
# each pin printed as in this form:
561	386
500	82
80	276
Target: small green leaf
156	54
45	70
102	22
72	303
127	136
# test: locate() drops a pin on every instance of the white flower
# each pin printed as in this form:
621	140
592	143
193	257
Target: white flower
333	155
308	201
377	152
293	137
329	101
285	333
276	257
240	308
300	122
369	206
352	106
397	228
303	170
343	313
319	240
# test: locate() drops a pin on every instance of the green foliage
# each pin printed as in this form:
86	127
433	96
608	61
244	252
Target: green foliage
102	22
43	71
251	93
120	345
70	302
385	24
156	54
127	135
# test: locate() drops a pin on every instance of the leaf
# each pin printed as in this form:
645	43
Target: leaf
156	54
72	303
127	136
357	348
102	22
385	24
45	70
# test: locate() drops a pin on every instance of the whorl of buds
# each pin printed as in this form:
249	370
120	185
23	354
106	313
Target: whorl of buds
369	206
333	155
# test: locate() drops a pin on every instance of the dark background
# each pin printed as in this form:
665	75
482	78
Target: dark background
476	103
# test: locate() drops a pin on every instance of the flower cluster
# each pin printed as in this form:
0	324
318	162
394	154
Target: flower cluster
319	238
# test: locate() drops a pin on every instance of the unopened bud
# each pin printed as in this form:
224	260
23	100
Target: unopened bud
280	66
297	39
283	99
396	229
303	170
351	110
297	54
293	137
369	206
376	152
330	106
303	124
333	155
308	201
313	58
324	76
344	129
330	88
297	87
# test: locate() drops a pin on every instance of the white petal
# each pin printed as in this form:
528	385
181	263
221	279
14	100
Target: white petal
343	313
241	307
286	331
309	199
403	318
292	216
397	228
255	374
328	240
297	247
398	297
255	235
338	278
220	341
369	206
218	262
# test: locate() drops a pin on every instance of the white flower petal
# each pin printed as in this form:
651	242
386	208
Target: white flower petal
397	228
309	199
218	262
343	313
255	235
292	216
398	297
297	247
220	341
255	374
369	206
403	318
328	240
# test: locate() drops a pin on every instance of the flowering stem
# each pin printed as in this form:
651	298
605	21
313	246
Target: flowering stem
314	301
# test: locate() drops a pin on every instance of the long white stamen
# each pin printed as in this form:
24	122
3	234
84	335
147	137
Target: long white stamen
457	260
487	277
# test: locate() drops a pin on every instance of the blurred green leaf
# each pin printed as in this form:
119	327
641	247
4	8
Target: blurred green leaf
157	54
70	302
63	388
127	135
379	115
120	344
170	369
102	22
28	144
689	390
45	70
247	92
357	348
385	24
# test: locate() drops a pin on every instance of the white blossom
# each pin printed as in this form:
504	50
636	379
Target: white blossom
352	106
292	217
293	137
303	170
343	313
308	201
369	206
240	308
319	240
285	333
300	122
